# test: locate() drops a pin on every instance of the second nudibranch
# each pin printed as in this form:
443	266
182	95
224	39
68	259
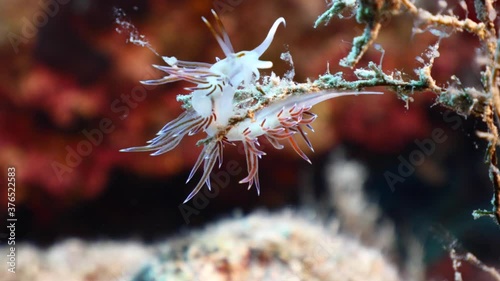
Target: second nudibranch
214	109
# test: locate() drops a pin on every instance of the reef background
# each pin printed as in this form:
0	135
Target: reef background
67	75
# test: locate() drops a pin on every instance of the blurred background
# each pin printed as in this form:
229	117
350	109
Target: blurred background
70	99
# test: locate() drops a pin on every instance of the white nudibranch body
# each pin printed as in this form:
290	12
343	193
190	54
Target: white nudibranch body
227	104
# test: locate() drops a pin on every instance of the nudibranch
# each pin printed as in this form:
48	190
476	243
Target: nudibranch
230	105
